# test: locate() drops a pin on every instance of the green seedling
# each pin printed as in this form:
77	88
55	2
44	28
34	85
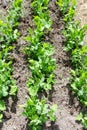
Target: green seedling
74	35
6	83
43	22
83	119
8	34
40	84
42	66
39	6
2	108
63	5
79	86
79	58
67	7
38	112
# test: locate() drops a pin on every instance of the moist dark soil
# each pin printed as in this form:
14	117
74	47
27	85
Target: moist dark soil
68	105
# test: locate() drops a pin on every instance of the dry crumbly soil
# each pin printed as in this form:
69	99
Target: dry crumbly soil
68	105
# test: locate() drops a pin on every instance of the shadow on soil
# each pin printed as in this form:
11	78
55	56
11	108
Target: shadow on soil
6	114
74	103
52	127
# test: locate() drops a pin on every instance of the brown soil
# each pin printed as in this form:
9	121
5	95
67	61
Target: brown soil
68	105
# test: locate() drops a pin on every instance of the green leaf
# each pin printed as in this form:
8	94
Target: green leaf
33	90
73	85
73	72
1	116
54	107
79	117
16	34
2	106
13	90
5	91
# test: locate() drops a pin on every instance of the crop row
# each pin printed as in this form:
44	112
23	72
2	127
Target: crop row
74	45
8	35
39	54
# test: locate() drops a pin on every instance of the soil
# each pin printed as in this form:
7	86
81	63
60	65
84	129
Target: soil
68	105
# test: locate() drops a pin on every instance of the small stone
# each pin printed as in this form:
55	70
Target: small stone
15	128
48	123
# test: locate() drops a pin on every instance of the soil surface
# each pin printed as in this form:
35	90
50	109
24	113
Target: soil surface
68	105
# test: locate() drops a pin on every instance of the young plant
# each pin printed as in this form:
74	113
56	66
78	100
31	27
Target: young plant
63	5
74	35
79	58
42	66
83	119
39	84
40	6
38	112
7	86
8	34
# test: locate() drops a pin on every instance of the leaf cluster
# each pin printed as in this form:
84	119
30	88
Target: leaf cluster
38	112
8	34
83	119
42	66
74	45
63	5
